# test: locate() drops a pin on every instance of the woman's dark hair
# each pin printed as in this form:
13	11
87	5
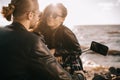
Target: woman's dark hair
51	9
18	7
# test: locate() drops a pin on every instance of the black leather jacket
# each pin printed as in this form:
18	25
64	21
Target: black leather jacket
23	56
62	39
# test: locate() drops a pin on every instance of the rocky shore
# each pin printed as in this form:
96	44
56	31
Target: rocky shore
96	65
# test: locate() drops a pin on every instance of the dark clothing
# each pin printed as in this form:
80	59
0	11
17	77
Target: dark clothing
23	56
62	39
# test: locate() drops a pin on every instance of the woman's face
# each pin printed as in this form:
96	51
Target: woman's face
55	20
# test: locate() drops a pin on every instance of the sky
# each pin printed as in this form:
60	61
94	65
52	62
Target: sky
82	12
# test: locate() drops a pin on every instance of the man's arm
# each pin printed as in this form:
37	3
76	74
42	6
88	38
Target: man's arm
42	59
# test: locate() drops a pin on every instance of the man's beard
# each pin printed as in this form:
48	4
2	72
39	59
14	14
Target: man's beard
33	27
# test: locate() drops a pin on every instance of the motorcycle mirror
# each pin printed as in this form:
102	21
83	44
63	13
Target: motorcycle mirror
99	48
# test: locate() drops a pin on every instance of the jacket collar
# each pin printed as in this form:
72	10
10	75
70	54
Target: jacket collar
17	26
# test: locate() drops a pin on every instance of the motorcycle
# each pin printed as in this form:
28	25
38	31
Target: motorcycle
73	62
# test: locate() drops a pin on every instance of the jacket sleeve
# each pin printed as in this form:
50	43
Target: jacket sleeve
43	61
70	44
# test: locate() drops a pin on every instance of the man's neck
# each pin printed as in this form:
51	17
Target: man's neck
25	23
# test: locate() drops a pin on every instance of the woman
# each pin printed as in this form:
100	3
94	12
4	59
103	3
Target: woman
60	40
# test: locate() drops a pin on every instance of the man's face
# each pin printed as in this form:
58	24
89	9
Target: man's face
36	14
35	19
56	19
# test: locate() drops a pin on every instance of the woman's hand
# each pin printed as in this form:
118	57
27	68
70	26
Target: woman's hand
52	51
59	58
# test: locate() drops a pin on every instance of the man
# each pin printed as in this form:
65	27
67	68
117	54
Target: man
23	56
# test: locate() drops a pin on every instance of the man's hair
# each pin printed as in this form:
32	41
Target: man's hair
18	8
